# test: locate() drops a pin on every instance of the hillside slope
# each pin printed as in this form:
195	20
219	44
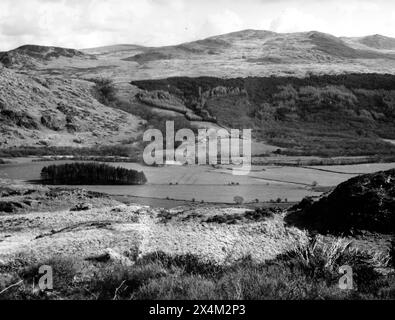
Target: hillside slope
318	115
57	112
29	56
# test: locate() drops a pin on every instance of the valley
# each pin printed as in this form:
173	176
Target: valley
205	184
303	94
322	113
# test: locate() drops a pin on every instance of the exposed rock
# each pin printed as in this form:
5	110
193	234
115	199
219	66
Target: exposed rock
162	99
221	91
110	255
81	207
193	117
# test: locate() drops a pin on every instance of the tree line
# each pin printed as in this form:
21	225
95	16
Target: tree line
90	174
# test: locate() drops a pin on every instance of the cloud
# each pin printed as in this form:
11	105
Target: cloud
220	23
89	23
294	20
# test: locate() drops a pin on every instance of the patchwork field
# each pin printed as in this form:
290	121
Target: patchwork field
217	184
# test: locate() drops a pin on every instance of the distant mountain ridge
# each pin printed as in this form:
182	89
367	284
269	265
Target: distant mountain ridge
246	46
378	42
267	46
54	90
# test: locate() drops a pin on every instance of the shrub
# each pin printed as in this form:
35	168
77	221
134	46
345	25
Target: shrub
304	272
122	282
105	89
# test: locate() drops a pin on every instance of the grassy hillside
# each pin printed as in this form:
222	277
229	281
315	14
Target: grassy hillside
378	42
328	115
37	111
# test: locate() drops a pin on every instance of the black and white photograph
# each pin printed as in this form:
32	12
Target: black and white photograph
197	150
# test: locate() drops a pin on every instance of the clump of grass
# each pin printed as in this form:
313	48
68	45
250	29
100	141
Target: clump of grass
188	263
23	282
308	271
122	283
64	271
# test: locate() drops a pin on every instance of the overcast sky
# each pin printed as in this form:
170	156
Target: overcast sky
89	23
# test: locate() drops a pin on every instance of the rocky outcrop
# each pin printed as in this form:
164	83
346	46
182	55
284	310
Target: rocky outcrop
221	91
163	100
52	122
365	202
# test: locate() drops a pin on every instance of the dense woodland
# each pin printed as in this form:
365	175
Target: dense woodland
90	174
328	115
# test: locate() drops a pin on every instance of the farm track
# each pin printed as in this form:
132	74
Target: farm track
332	171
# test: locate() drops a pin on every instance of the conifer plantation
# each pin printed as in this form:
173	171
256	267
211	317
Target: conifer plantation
91	173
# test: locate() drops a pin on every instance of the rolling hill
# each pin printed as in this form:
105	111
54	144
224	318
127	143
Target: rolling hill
378	42
266	47
242	53
40	111
33	55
